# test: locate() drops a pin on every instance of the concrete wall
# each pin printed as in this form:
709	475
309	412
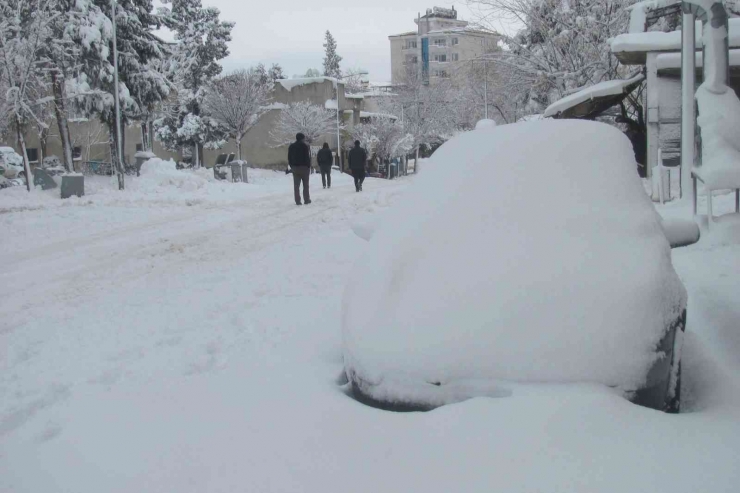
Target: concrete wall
93	139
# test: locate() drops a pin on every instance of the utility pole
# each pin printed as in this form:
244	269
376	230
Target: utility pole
119	147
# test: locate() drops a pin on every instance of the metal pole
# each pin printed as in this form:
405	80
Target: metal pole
339	146
119	164
688	90
485	88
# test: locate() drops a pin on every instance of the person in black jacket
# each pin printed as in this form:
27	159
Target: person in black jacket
357	162
299	159
325	160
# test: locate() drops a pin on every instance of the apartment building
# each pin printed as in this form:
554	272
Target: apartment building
440	42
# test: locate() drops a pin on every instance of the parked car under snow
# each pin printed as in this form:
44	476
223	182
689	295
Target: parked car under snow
526	253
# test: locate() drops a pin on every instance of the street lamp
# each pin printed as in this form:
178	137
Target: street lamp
119	148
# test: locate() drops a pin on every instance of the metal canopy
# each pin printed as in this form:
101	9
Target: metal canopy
596	105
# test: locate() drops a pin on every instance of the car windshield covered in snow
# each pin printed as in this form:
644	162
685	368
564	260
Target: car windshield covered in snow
515	263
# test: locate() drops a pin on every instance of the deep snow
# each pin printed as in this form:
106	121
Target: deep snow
189	341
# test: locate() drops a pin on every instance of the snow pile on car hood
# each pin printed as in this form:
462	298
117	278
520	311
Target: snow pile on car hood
526	253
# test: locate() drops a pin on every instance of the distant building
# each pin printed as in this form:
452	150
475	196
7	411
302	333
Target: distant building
440	42
91	143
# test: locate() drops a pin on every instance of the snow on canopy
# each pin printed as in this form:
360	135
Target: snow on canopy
540	259
670	41
602	89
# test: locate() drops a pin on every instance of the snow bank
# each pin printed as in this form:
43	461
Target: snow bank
602	89
540	259
719	120
485	124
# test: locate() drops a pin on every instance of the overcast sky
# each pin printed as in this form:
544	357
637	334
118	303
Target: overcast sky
291	32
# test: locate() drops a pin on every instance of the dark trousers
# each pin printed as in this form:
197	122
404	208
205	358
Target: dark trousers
301	174
326	176
359	175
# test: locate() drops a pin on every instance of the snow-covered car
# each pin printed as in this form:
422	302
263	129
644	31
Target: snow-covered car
525	254
11	163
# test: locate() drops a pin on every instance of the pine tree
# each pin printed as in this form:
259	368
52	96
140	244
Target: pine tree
201	42
331	59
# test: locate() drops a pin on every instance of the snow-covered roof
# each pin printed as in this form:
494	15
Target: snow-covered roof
369	114
673	60
671	41
289	84
463	30
606	88
410	33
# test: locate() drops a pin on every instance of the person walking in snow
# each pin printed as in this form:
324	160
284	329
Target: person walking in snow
299	159
325	160
357	162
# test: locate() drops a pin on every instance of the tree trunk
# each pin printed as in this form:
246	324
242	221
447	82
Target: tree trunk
57	82
145	135
416	160
239	146
22	143
196	158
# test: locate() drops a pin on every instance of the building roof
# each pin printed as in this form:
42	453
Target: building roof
464	30
631	48
593	99
410	33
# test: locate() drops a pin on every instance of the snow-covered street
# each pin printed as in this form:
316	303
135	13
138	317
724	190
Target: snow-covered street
190	342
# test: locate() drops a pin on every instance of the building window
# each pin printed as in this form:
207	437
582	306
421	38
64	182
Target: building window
440	42
441	73
140	147
454	41
76	153
412	59
440	58
455	57
33	154
410	44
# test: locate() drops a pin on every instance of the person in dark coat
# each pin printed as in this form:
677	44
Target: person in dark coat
299	159
357	162
325	160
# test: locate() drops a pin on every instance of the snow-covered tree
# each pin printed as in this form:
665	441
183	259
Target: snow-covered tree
563	45
77	43
312	72
201	41
426	111
383	137
311	120
275	72
354	80
331	58
237	101
24	26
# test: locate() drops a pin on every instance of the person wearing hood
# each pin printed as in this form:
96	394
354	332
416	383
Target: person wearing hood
357	162
325	160
299	159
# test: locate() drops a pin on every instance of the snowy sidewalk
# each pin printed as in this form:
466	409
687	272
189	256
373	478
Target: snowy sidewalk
161	346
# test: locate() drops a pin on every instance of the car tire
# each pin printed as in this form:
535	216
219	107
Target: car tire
673	403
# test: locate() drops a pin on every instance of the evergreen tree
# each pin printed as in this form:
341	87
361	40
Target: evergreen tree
201	42
331	59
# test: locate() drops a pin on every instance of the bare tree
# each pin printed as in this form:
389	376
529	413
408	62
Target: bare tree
425	110
355	81
383	136
562	46
311	120
238	100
